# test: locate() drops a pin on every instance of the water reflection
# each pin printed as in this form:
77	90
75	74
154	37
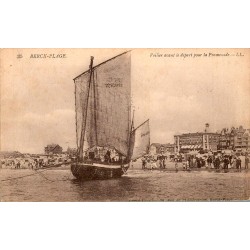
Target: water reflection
104	190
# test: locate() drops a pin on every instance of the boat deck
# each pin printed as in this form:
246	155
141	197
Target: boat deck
111	166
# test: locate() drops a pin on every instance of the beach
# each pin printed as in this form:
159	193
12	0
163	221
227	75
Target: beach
136	185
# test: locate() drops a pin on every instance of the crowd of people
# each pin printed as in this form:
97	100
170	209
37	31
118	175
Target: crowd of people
32	162
187	161
219	161
152	162
104	155
100	155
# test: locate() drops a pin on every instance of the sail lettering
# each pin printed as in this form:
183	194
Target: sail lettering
113	82
113	85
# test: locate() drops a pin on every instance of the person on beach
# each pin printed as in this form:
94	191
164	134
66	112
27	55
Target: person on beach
176	164
238	163
143	163
184	164
194	163
216	162
190	162
230	160
161	159
246	162
209	161
198	163
164	162
242	158
233	162
226	162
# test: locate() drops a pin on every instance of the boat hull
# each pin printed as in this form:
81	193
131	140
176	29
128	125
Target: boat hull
83	171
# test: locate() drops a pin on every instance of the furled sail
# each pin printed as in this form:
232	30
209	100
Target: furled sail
140	141
103	104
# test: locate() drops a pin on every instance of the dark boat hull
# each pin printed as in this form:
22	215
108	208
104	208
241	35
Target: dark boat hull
83	171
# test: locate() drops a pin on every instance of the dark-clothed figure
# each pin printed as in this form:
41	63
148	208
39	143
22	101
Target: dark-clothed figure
209	161
143	163
217	163
107	156
198	163
246	162
230	159
176	164
226	162
162	161
238	163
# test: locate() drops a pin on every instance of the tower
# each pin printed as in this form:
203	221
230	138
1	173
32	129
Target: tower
207	128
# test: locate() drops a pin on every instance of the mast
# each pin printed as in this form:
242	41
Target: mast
95	107
86	112
132	123
129	154
76	118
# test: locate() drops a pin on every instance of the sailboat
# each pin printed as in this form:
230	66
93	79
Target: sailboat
105	135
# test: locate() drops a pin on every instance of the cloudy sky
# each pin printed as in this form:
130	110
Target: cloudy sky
177	94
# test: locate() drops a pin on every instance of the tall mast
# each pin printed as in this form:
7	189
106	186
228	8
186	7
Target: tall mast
76	117
95	106
130	135
84	120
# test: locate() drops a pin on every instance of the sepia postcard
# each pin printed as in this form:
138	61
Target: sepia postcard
125	125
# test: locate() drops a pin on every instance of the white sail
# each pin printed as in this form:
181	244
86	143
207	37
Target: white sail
103	105
140	140
112	81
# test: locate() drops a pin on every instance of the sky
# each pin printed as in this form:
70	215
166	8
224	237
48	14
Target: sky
177	94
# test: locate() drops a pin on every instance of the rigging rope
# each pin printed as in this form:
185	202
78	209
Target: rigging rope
20	177
40	173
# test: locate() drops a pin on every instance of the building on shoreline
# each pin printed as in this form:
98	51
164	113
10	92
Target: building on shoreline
235	139
158	148
53	149
197	141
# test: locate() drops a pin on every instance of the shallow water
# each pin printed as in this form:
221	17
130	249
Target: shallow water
136	185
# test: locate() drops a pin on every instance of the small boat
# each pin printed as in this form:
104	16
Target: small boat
104	125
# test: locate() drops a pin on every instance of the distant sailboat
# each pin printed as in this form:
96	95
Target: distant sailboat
104	130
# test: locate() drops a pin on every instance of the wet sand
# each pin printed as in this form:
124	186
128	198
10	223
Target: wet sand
135	185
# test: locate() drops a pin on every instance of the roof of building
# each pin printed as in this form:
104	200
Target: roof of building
51	147
198	133
158	145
